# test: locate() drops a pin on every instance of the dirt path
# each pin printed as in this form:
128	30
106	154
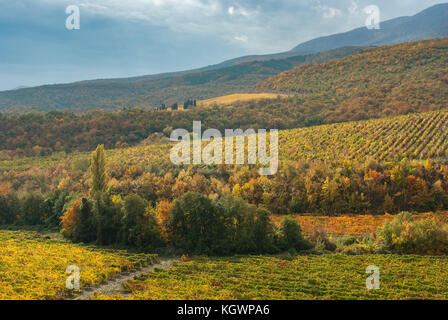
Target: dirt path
114	285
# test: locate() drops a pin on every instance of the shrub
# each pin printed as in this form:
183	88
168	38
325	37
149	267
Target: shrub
8	209
106	216
70	219
356	245
298	206
248	228
196	225
320	240
405	235
225	226
31	208
55	206
291	236
138	225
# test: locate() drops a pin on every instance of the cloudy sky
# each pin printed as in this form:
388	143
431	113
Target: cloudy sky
120	38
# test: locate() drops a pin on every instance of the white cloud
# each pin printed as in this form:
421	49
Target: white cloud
270	25
353	9
241	38
328	12
238	11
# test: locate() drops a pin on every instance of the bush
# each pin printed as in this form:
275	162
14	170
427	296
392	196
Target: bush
320	240
32	208
85	229
197	224
359	248
298	206
291	236
248	228
55	205
107	216
229	225
138	225
8	209
406	235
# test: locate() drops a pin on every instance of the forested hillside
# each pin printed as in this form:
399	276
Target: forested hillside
388	81
357	167
404	78
151	92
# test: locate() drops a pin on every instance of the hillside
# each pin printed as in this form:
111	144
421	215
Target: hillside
404	78
428	24
387	81
152	92
356	167
414	136
362	163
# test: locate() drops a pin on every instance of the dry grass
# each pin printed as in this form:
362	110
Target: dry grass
232	98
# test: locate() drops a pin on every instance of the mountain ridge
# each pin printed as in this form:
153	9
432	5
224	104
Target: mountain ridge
239	75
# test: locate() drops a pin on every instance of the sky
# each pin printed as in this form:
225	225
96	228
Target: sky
121	38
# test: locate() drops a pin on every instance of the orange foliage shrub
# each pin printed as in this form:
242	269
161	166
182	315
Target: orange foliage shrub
163	215
71	218
5	188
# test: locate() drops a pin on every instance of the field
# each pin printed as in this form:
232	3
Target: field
353	225
417	136
33	267
298	277
232	98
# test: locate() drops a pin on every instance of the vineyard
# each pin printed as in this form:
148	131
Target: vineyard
415	136
290	278
32	267
110	189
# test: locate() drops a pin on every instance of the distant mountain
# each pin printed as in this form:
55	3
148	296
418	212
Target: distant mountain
231	76
428	24
151	91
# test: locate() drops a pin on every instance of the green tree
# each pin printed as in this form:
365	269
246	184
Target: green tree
98	171
196	225
291	236
138	226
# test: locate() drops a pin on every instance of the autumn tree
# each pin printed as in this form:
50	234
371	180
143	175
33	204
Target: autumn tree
98	171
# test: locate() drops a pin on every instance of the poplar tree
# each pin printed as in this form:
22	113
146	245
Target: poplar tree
98	171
